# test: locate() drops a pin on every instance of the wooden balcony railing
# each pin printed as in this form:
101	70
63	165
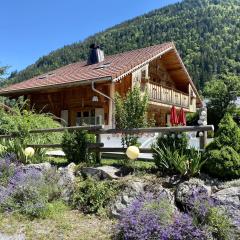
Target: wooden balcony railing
167	95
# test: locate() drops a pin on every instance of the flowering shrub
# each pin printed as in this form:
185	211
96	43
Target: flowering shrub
207	211
7	167
29	192
155	218
152	217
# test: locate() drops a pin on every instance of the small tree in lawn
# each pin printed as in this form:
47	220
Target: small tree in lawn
131	112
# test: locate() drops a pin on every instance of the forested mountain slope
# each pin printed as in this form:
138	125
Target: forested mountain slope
206	33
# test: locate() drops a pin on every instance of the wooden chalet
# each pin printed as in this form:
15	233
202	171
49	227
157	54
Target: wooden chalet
83	92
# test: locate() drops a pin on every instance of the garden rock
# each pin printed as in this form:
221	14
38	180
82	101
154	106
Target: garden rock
187	189
229	199
66	181
131	191
101	173
158	191
41	167
229	195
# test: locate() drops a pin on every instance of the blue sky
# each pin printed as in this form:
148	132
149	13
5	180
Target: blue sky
30	29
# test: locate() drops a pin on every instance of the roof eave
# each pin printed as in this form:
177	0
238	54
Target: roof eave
54	86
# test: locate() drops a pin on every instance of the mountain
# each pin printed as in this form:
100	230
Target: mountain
206	33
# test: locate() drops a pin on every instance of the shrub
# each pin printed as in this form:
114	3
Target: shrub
8	166
228	134
223	163
172	141
170	161
75	146
207	212
19	122
152	217
30	192
92	196
131	112
223	160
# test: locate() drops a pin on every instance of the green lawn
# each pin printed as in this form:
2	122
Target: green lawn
68	225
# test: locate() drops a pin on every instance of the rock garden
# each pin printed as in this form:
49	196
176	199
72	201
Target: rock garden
181	193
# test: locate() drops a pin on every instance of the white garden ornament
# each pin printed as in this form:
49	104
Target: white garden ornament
133	152
29	152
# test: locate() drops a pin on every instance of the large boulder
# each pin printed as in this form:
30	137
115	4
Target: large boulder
41	167
228	195
131	190
101	173
228	199
137	188
66	181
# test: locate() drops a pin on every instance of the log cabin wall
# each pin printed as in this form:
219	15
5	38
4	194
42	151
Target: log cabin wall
75	100
159	74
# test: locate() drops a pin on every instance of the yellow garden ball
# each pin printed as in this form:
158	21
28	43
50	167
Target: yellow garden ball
133	152
29	152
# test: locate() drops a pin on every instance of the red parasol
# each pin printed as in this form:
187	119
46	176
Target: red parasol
182	117
174	117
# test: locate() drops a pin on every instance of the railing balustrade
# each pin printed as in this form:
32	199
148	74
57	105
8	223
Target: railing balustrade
167	95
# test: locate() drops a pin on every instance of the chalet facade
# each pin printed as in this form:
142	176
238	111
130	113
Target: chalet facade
83	92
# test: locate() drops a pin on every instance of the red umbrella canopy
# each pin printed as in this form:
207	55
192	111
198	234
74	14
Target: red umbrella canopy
182	117
174	117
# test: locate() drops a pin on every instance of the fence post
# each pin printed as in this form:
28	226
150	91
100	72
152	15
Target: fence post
203	140
98	153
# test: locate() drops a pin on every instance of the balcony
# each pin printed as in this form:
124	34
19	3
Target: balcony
166	95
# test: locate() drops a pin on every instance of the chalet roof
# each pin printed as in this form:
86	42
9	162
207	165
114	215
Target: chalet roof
112	68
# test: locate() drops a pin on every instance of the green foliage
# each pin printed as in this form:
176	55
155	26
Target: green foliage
219	224
19	121
173	141
223	159
93	196
194	25
223	163
131	112
228	134
32	192
171	161
222	92
75	146
192	119
28	201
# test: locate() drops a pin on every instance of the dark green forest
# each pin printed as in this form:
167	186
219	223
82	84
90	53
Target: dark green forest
206	33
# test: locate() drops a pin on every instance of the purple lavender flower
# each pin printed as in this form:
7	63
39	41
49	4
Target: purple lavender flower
154	218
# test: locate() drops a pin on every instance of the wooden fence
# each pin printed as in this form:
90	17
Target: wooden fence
98	130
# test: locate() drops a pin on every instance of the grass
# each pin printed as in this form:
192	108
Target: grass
138	165
66	224
145	166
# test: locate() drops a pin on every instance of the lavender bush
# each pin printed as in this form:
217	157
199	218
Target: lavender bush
29	191
8	166
209	212
155	218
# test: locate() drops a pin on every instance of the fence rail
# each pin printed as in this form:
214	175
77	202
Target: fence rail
98	130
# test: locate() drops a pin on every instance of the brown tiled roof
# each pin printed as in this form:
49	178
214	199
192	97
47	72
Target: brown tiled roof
112	67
